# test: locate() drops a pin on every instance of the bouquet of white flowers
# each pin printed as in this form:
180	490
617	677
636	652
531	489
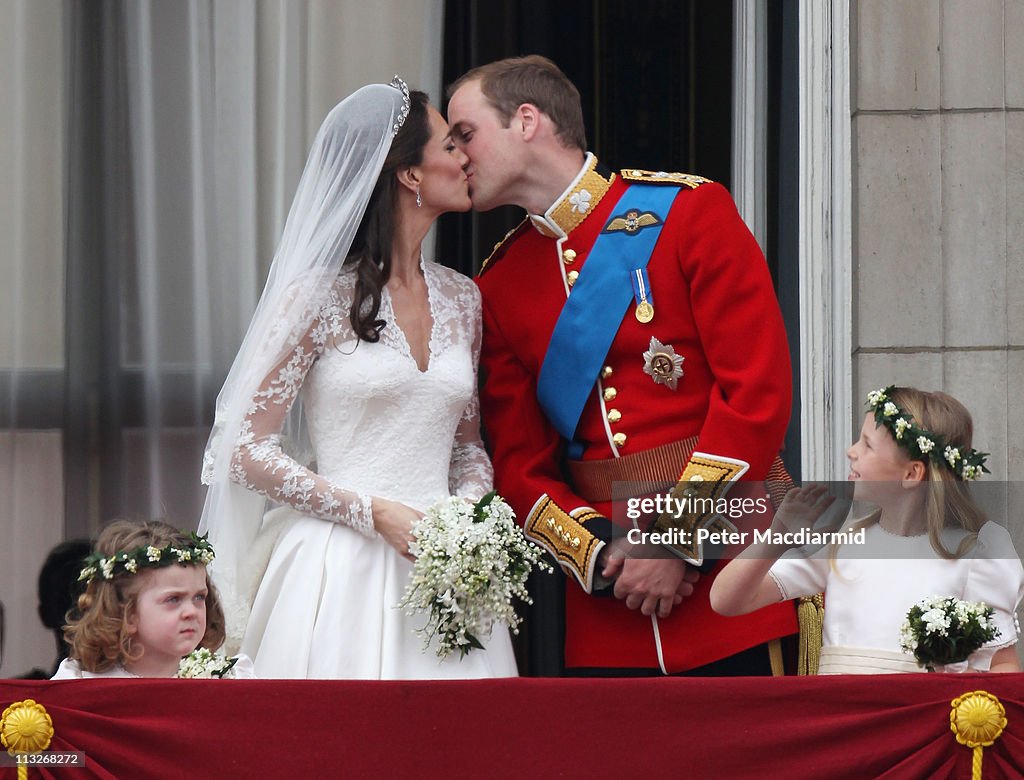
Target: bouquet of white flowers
203	663
472	560
944	630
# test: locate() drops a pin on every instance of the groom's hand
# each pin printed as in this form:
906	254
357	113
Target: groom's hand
655	585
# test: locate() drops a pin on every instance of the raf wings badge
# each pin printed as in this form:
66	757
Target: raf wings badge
632	221
662	364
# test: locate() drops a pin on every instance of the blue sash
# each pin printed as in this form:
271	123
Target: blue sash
600	297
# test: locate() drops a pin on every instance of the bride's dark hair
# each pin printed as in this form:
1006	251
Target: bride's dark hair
371	247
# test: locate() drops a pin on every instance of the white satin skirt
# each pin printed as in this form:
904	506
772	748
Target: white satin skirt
325	608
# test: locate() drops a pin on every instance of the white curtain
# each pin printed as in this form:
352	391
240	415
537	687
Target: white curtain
223	98
31	318
154	146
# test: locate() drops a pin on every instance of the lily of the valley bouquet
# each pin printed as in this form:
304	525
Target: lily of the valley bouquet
472	561
942	630
204	664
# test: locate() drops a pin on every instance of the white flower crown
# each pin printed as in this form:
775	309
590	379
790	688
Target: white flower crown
196	551
921	443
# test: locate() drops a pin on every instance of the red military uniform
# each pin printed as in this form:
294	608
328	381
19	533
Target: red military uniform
714	305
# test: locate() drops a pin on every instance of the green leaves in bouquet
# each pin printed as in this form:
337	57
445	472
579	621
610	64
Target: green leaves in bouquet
481	505
473	642
223	671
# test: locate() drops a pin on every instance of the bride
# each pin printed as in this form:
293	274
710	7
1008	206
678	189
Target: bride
363	355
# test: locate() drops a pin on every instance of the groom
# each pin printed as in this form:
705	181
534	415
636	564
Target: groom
631	333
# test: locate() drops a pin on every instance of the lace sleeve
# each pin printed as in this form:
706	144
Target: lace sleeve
260	463
471	474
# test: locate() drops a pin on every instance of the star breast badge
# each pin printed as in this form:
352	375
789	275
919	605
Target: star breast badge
662	364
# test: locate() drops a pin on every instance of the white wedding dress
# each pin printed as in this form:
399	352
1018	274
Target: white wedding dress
325	606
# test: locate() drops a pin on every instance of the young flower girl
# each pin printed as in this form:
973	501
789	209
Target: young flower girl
926	537
148	605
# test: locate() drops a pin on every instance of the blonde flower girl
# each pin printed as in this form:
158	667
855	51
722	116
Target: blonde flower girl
925	537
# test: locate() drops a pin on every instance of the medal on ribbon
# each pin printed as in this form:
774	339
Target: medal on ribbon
643	296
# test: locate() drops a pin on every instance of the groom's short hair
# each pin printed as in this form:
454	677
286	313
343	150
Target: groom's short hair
509	83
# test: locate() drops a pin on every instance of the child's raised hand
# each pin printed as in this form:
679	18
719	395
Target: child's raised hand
802	507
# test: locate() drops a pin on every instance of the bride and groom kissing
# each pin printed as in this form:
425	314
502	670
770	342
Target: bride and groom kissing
608	344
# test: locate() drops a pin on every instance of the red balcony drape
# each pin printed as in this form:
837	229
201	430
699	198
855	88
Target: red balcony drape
835	727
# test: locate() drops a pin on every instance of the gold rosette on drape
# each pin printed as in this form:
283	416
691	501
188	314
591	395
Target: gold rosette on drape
977	719
25	727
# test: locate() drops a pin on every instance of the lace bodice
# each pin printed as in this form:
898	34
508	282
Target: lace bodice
378	425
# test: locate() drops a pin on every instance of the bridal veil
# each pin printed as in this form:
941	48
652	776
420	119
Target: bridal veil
344	163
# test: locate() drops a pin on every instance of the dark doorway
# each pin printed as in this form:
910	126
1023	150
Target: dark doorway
655	79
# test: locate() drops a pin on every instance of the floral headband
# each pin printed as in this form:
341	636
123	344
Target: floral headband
922	444
196	551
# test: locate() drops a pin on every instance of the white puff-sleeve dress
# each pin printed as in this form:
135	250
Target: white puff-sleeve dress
869	588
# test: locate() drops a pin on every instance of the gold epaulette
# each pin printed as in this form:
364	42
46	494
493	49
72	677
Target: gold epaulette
691	180
499	248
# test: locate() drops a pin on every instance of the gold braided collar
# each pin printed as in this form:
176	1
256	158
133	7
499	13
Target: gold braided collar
579	199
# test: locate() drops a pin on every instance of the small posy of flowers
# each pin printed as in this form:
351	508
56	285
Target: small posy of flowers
205	664
943	630
472	561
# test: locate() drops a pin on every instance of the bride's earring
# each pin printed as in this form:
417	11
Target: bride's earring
419	200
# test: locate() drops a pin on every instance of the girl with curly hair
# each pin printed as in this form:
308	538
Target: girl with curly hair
148	604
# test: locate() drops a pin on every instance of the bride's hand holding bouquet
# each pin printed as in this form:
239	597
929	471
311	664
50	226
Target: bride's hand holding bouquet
471	563
394	522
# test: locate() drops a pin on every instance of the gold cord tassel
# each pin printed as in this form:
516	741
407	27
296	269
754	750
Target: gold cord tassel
810	614
977	719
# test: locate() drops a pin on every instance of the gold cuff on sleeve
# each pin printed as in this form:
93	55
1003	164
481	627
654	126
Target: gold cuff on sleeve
705	479
566	537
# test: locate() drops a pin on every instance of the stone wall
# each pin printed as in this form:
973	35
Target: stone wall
938	227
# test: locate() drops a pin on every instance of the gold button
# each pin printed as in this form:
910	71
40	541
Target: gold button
619	439
696	478
614	415
606	372
610	393
568	256
572	276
